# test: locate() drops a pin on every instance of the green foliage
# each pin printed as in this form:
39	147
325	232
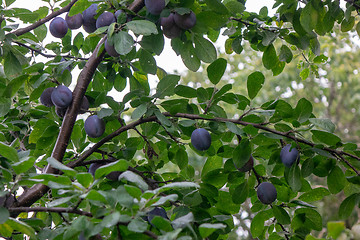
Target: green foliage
146	161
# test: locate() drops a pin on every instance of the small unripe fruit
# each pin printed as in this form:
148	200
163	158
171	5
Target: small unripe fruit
105	19
201	139
94	126
186	21
61	96
155	7
266	193
45	97
289	157
58	27
74	22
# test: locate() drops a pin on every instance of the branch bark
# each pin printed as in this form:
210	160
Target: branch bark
45	209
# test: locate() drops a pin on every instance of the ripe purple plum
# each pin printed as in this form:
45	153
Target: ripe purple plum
157	211
61	96
94	126
186	21
170	29
74	22
110	49
45	97
248	165
266	193
58	27
287	156
155	7
89	21
105	19
201	139
84	105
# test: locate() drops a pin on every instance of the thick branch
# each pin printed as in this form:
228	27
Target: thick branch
45	209
24	30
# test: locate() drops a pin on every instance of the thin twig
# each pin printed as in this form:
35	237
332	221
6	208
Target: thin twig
46	209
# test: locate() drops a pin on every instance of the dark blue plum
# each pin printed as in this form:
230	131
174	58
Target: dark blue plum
157	211
74	22
94	166
266	193
58	27
201	139
248	165
287	156
186	21
94	126
61	96
155	7
170	29
84	105
89	21
45	97
105	19
110	49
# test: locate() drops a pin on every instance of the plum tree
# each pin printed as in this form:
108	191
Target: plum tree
89	21
74	22
170	29
61	96
266	193
58	27
185	21
289	157
201	139
94	126
105	19
110	49
45	97
155	7
248	165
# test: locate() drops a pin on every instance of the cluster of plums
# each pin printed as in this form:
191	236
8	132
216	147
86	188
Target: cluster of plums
59	26
61	98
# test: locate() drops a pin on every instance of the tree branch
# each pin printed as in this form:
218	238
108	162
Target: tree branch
24	30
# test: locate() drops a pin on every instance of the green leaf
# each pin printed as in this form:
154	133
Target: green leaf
189	57
326	137
213	162
166	86
294	178
311	219
12	66
58	165
4	215
5	104
120	165
176	185
335	229
185	91
255	82
22	227
142	27
336	180
134	178
8	152
347	24
85	179
242	153
315	194
258	224
181	158
285	54
281	215
122	42
23	165
309	17
217	6
94	196
269	57
303	110
79	7
216	70
163	120
304	74
240	193
204	49
147	62
347	206
324	124
162	223
206	229
139	111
